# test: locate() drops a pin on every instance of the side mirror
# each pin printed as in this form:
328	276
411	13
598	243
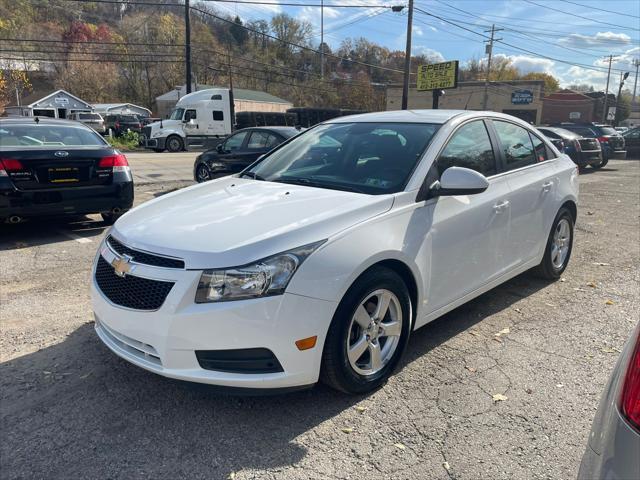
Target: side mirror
458	181
219	148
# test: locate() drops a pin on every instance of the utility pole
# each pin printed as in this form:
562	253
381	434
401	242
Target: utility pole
636	62
489	51
322	39
407	59
187	48
606	92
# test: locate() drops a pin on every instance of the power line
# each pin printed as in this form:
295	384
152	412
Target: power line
601	9
521	28
263	34
580	16
285	4
585	66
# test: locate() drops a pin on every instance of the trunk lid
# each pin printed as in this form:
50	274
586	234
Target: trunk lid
49	168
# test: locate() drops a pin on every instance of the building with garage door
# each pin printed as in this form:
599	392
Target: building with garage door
58	104
520	98
243	100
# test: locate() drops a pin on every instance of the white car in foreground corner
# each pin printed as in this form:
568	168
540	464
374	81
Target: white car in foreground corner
319	260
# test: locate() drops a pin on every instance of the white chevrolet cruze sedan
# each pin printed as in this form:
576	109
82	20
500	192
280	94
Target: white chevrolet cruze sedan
319	260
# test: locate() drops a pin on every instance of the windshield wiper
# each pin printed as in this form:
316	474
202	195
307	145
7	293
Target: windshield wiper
253	175
313	183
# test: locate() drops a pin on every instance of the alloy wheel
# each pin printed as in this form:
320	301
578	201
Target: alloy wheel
561	243
374	332
203	173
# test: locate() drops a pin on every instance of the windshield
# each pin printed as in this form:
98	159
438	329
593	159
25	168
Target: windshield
177	114
372	158
34	135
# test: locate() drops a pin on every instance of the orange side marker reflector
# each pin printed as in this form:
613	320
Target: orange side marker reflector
306	343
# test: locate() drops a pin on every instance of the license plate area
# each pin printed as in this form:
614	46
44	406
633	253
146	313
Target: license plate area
64	174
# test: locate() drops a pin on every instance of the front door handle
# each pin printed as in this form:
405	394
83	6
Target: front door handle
501	207
546	187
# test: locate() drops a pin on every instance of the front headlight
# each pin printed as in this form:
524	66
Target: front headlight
269	276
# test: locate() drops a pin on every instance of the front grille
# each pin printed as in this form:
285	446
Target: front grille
142	257
146	131
129	291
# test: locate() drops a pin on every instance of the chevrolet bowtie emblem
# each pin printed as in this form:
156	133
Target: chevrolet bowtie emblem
121	265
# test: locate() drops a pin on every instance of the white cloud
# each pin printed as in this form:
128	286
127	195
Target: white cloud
431	54
600	39
527	64
417	30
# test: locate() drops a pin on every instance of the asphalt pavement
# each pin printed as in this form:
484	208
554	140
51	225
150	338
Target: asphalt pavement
504	387
153	167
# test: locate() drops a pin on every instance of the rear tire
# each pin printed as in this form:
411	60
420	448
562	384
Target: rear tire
382	336
559	246
174	144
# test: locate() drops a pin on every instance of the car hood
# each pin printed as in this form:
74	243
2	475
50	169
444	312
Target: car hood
233	221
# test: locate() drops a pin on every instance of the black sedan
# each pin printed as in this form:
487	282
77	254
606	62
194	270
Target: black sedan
52	167
583	151
239	150
632	141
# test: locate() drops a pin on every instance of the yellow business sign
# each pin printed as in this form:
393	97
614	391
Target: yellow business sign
438	76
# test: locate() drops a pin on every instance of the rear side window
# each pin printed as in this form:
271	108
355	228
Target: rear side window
218	115
261	140
516	145
539	148
470	147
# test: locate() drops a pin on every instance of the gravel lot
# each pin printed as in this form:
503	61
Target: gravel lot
72	409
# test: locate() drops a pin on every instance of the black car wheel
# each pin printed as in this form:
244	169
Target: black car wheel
559	245
368	333
203	173
110	218
175	144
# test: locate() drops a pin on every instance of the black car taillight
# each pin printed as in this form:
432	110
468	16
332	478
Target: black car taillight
630	394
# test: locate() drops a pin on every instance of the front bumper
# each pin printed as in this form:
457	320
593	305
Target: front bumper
153	143
164	341
65	201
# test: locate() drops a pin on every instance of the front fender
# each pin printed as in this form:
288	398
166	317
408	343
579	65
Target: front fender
329	272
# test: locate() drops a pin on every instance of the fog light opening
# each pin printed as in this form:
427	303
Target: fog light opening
306	343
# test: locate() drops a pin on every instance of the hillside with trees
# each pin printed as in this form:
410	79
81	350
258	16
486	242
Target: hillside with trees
132	51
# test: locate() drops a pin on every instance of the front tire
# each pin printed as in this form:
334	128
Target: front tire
368	334
174	144
559	246
203	174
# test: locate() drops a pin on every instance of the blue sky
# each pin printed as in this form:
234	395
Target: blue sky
575	43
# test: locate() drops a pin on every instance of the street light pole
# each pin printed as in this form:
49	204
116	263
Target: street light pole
322	39
407	59
187	47
617	115
606	92
636	62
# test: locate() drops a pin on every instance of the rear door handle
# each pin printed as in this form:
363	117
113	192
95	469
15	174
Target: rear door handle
501	207
546	187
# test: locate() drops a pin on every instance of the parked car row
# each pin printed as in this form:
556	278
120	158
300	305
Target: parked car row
112	124
588	144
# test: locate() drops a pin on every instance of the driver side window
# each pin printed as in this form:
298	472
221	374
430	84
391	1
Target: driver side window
470	147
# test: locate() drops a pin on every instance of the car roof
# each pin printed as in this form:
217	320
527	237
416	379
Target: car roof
558	130
405	116
286	131
41	121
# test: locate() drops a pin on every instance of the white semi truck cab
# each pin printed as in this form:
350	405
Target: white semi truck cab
200	120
